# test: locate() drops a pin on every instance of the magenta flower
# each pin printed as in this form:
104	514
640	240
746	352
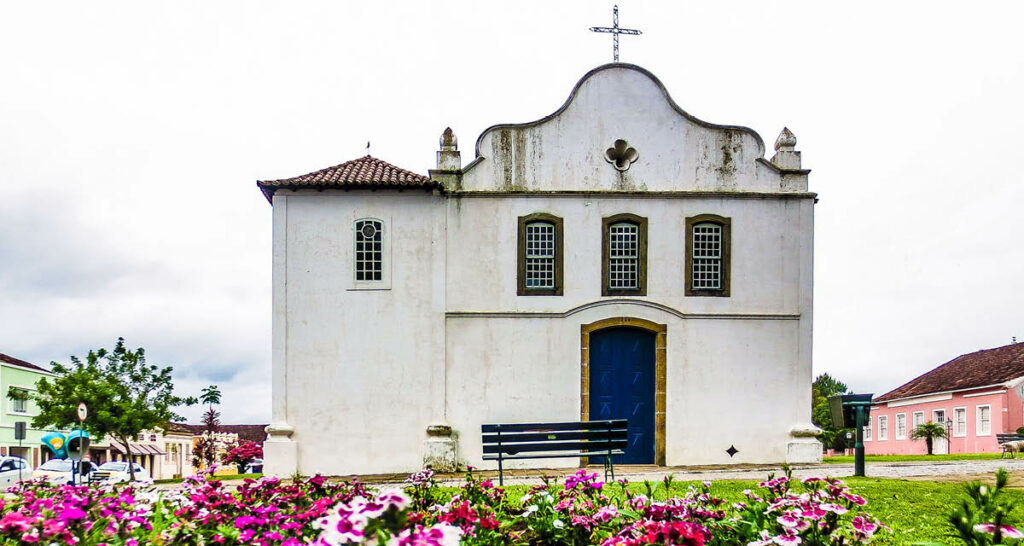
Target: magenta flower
1005	530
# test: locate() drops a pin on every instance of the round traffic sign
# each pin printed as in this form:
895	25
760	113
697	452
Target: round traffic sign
82	411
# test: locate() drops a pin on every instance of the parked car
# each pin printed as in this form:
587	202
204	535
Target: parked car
255	467
117	472
60	471
13	469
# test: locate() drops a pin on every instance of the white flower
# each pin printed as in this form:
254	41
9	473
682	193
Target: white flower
558	524
530	510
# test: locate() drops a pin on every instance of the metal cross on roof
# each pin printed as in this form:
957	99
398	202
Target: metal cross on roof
615	31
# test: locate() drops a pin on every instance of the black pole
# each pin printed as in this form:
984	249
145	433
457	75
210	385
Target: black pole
858	454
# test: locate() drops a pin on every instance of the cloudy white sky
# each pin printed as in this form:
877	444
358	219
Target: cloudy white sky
132	134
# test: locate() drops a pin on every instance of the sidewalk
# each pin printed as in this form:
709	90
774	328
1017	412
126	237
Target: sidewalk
941	470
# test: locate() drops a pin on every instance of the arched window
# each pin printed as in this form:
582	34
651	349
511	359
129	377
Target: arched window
707	255
540	255
624	255
369	249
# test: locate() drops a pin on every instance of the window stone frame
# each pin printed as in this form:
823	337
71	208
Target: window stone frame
521	289
641	241
726	225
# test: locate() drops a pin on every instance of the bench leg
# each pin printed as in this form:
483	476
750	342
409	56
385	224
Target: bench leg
501	475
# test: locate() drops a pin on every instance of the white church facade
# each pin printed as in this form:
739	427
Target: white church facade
618	258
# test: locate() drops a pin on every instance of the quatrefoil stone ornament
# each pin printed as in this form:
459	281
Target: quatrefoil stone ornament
621	155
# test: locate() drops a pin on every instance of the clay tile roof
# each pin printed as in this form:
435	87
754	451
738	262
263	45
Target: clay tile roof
363	173
978	369
21	363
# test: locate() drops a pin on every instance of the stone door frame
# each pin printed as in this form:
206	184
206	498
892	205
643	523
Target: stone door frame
660	331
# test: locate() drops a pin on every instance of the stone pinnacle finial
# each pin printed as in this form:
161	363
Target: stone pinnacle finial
448	140
786	141
448	157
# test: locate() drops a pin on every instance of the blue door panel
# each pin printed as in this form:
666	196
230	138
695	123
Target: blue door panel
622	361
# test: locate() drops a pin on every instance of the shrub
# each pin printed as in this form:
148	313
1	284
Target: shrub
584	511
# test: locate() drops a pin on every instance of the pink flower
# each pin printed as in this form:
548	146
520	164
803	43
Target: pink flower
860	523
1005	530
606	513
394	497
787	538
834	508
15	521
788	520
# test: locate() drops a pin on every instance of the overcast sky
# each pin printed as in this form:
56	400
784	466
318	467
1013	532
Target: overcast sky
132	134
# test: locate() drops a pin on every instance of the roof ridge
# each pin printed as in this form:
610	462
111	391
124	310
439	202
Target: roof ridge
362	172
970	370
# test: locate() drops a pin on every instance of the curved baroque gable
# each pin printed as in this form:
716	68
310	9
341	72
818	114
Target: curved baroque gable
619	130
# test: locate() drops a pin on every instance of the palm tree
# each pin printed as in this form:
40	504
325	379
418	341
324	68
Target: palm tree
929	432
211	396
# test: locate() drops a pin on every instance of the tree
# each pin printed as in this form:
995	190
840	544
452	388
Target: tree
823	387
928	432
205	451
125	395
210	395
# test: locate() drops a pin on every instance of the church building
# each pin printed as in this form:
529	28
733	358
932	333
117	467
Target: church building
618	258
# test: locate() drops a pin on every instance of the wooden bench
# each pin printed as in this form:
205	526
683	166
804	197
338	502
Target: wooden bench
554	440
1010	443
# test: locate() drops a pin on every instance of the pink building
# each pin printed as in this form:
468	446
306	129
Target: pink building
976	396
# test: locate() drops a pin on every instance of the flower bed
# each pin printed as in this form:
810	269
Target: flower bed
314	511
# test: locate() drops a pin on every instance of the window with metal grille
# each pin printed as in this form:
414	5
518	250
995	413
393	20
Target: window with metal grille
623	256
883	427
369	263
540	255
707	257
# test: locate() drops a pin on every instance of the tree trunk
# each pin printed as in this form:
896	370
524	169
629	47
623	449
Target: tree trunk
131	463
928	442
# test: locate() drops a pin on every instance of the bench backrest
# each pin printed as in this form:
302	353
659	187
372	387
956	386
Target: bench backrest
1003	438
538	438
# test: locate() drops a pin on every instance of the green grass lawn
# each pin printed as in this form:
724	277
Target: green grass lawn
915	510
843	459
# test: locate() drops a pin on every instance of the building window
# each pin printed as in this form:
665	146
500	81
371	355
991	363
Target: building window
984	421
901	426
624	255
867	430
883	427
369	241
918	421
959	421
19	400
708	244
540	255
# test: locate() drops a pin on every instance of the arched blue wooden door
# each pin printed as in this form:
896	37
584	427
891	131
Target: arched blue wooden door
622	386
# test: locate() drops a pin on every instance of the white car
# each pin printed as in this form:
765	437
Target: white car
58	471
117	472
13	469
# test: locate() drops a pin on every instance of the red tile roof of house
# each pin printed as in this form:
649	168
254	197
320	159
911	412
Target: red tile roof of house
972	370
363	173
21	363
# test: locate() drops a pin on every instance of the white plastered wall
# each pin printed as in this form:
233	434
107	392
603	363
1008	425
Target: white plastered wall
365	366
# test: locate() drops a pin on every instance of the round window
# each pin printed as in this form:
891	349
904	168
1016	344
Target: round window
369	230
